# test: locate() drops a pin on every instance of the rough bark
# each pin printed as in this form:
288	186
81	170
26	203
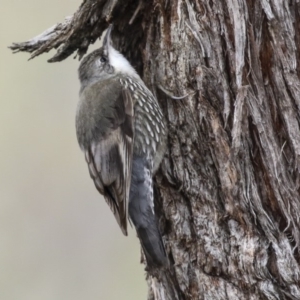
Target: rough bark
228	189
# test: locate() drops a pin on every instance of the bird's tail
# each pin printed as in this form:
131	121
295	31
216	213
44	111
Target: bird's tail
141	213
153	246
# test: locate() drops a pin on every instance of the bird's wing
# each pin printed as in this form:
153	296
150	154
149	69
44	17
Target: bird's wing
110	158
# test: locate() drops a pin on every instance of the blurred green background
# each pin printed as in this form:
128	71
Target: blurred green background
58	238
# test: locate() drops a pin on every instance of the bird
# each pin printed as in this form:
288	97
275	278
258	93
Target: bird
123	133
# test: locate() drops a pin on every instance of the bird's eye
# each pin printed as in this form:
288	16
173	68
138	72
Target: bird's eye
103	59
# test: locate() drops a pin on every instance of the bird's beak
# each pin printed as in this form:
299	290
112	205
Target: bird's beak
107	40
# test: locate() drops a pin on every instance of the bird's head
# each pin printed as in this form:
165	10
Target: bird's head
104	63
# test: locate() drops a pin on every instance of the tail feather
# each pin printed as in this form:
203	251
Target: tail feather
153	246
141	213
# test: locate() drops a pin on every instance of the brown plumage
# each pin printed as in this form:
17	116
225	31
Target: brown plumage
108	144
121	129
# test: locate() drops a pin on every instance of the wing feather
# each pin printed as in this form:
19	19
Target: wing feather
110	159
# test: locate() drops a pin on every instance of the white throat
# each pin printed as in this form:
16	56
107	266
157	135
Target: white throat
120	63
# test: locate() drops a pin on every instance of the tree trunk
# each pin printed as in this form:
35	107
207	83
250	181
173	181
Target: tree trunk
228	189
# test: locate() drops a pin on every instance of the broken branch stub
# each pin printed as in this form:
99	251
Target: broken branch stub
75	33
